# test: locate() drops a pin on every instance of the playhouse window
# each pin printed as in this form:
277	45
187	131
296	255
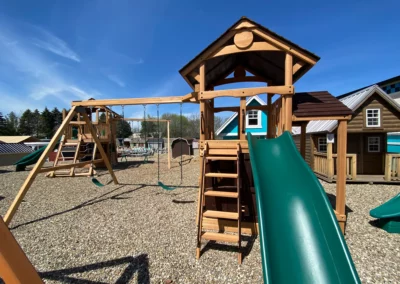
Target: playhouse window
253	119
374	144
322	144
373	117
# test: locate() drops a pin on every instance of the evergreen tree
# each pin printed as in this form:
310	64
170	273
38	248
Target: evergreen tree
123	129
3	125
46	124
102	117
35	123
57	119
12	120
25	123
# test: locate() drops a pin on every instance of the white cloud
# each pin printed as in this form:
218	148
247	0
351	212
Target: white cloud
114	78
50	42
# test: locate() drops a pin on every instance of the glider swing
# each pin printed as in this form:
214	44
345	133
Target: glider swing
165	187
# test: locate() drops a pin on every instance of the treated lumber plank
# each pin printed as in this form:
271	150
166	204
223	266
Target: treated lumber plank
220	237
221	214
68	166
246	92
221	158
217	193
221	175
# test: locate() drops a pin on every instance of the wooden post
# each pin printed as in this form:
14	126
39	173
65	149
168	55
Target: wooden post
212	118
64	114
15	266
76	156
341	171
388	167
329	156
288	97
99	146
32	175
269	116
242	117
354	167
168	146
97	115
303	136
201	87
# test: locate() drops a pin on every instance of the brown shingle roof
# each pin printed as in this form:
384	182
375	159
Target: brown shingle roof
312	104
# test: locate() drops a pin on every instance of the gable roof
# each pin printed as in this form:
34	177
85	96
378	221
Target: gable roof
352	101
7	148
229	120
260	61
322	103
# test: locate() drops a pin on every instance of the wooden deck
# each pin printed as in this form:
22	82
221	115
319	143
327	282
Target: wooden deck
371	179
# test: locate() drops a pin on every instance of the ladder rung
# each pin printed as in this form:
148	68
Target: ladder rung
220	237
222	158
70	144
217	193
222	175
221	214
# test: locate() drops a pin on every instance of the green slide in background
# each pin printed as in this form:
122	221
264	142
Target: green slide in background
388	215
30	159
301	241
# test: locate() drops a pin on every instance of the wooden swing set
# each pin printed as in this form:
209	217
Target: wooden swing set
246	52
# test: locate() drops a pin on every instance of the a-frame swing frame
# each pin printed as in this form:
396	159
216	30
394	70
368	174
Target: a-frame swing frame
38	168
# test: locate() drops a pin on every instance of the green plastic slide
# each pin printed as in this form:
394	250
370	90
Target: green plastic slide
301	241
30	159
388	215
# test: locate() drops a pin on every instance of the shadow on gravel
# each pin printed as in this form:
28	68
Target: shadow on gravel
212	245
90	202
138	264
332	200
5	171
1	198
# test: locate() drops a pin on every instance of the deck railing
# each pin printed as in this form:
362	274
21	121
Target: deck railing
392	167
103	130
327	167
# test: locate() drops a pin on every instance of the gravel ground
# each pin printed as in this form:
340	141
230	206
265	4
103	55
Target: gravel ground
137	233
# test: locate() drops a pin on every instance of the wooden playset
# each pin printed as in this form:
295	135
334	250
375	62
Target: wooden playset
226	200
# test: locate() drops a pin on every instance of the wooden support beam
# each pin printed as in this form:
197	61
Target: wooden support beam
246	92
310	118
100	147
255	46
288	97
97	115
242	117
240	79
131	101
269	116
297	66
33	173
284	47
168	146
236	109
341	170
15	267
303	136
329	156
69	166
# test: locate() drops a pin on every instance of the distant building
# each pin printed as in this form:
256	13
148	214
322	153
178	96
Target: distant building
12	152
18	139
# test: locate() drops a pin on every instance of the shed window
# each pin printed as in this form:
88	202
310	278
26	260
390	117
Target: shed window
322	144
374	144
253	119
373	117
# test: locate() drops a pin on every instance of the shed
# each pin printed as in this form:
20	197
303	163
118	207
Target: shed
182	146
12	152
155	143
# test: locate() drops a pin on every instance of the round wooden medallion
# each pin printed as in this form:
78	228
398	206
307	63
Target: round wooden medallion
243	39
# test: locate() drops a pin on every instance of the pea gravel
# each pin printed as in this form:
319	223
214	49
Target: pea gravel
135	232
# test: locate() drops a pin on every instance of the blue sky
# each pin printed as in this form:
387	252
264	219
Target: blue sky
53	52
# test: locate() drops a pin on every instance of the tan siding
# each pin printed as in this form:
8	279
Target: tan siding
390	117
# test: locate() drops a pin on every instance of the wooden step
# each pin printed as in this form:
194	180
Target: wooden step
222	158
222	152
217	193
220	237
70	144
222	175
221	214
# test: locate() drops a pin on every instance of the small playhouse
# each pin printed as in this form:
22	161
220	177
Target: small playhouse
182	146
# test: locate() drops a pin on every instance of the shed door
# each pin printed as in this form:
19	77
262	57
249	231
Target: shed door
373	154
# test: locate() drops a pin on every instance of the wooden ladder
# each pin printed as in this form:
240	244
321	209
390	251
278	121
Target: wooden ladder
219	193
